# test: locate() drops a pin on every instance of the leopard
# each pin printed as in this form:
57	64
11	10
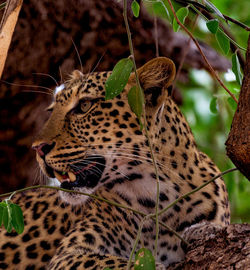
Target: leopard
98	150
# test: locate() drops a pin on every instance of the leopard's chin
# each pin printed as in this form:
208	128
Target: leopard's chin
75	198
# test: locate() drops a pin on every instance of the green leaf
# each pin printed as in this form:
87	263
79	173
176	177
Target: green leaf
107	268
236	68
144	260
232	103
223	41
135	8
119	78
161	11
181	14
213	9
7	217
136	100
213	105
213	25
17	218
1	214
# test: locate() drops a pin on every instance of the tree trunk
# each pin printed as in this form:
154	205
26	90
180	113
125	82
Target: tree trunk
216	247
238	142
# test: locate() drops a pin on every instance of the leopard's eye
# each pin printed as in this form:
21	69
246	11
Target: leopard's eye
83	106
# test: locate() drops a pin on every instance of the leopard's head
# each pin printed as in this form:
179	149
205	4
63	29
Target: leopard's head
89	141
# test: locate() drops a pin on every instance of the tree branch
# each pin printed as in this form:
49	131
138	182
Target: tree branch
238	142
7	27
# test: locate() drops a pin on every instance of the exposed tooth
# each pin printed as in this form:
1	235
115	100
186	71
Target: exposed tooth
58	176
72	177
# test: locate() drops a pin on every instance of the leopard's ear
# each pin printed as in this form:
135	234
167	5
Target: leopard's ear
76	75
155	77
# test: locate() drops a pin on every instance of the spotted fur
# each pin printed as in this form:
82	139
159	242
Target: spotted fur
101	144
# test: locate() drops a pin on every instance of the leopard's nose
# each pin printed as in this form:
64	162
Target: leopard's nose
43	149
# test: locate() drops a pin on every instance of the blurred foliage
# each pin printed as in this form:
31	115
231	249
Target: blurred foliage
211	128
207	107
238	10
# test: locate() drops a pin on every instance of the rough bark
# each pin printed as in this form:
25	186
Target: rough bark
216	248
42	43
238	142
7	27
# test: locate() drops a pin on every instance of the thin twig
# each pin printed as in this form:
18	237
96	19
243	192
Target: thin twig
72	191
78	54
247	28
12	193
184	55
195	190
234	45
201	52
138	236
145	125
151	216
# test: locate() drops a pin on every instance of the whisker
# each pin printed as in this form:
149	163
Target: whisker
121	173
27	85
37	91
94	172
78	55
77	167
124	153
97	173
139	159
91	72
125	147
98	62
44	74
98	170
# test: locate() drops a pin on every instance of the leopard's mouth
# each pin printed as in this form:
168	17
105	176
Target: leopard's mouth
86	173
